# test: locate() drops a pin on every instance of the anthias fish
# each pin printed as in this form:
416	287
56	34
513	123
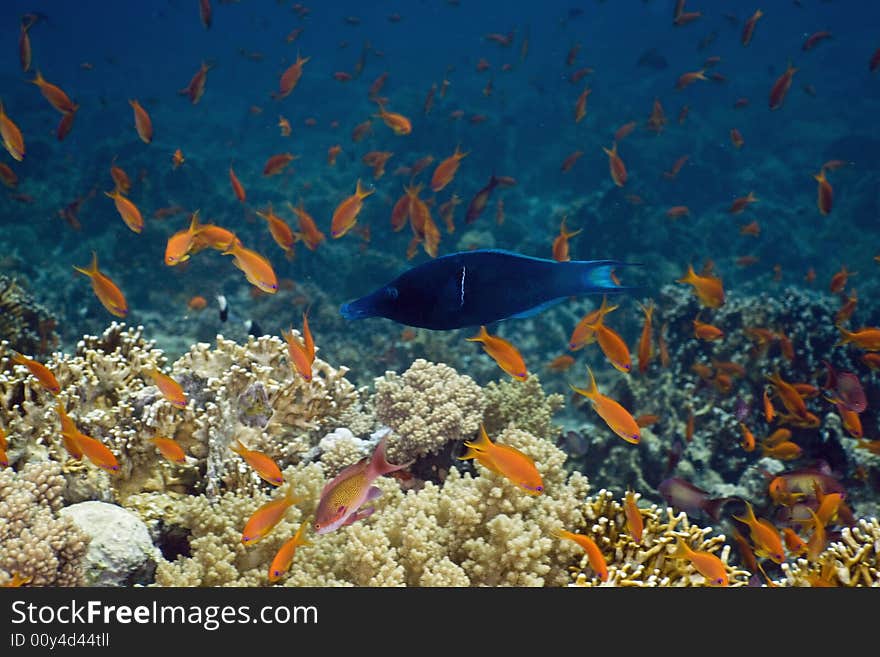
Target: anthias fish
479	287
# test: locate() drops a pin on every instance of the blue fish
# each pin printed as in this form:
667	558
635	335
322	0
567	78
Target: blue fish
475	288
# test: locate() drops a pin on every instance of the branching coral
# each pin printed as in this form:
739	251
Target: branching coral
36	543
426	407
524	405
26	325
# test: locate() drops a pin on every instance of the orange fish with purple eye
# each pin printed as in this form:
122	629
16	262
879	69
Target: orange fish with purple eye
505	460
706	563
179	245
96	452
108	293
284	557
582	334
266	517
40	372
616	166
767	541
170	449
170	389
262	464
594	554
142	122
502	352
256	268
618	419
129	212
280	231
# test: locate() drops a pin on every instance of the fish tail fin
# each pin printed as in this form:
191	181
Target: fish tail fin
238	447
194	224
477	449
92	268
480	337
558	532
597	276
379	465
681	548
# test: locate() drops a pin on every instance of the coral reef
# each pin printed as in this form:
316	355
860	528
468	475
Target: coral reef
25	324
36	542
524	405
426	407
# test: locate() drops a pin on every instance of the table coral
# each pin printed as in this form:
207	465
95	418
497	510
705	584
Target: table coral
35	541
426	407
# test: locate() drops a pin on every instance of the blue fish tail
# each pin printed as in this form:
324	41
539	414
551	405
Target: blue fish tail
595	276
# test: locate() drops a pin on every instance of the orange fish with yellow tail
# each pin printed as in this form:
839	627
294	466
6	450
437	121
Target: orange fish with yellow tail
266	517
502	352
180	244
96	452
284	557
342	498
506	461
108	293
280	231
257	269
262	464
618	419
68	433
170	449
709	289
594	554
583	334
346	213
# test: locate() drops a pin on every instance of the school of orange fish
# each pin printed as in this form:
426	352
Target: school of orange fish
815	499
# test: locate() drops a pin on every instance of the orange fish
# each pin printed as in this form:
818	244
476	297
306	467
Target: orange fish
68	433
216	237
749	27
616	416
24	47
262	464
257	269
237	187
445	171
4	458
784	451
180	244
687	79
280	231
748	441
613	346
105	289
120	178
177	158
793	543
594	554
397	122
781	86
645	350
8	176
708	289
624	131
308	229
582	333
197	302
346	213
277	163
789	395
560	363
266	517
739	204
205	13
737	138
447	212
677	211
505	460
284	125
569	161
55	95
867	338
824	193
580	107
658	117
301	356
170	449
40	372
127	210
65	125
753	229
839	280
290	77
676	167
96	452
377	160
142	122
818	539
634	521
332	153
616	166
12	139
196	86
361	130
706	563
284	557
705	331
169	388
502	352
767	541
560	243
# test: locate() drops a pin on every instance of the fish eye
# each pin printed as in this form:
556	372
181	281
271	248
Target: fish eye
391	292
